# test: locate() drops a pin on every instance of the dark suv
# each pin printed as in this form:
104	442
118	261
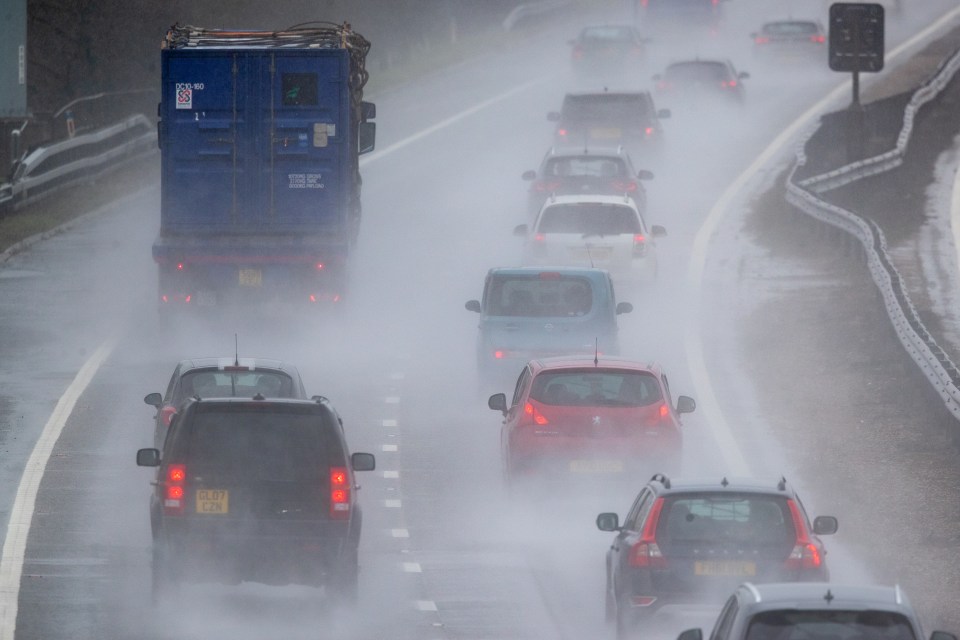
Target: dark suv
256	490
685	541
816	610
610	118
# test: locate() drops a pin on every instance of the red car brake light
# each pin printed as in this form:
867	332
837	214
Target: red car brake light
818	39
532	415
339	493
173	489
625	186
805	554
645	552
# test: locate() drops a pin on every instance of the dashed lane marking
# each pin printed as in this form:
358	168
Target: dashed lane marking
412	567
391	504
391	474
389	422
399	533
426	605
389	447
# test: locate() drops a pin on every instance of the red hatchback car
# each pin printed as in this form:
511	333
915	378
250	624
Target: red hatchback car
581	415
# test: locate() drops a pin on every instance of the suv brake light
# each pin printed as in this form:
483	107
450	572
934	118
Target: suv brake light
339	493
645	552
639	245
173	490
805	554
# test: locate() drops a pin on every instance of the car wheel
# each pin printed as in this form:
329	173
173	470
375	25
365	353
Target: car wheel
624	620
344	586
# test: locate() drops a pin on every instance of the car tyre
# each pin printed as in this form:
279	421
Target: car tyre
343	588
610	608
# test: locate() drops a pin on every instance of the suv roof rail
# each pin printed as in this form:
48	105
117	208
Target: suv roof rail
782	484
724	482
662	479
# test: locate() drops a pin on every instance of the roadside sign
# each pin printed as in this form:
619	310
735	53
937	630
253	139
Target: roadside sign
856	36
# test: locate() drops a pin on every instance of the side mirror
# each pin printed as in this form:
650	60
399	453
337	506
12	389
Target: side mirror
691	634
686	404
643	174
658	231
553	116
498	402
529	175
942	635
608	522
148	458
520	230
825	525
363	462
473	305
624	307
153	399
663	113
743	75
367	136
368	110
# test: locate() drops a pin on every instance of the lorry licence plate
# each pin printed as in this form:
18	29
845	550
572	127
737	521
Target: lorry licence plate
213	501
251	277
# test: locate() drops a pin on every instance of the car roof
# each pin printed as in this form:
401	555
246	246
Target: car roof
191	364
589	198
573	151
586	272
724	485
600	94
581	361
813	595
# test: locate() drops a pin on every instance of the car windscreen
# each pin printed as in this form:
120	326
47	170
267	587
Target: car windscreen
548	296
790	28
596	387
608	107
262	445
606	35
746	519
831	624
235	384
589	219
697	72
585	167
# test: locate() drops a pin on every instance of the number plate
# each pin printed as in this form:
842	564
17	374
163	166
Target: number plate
724	568
251	277
596	466
606	134
213	501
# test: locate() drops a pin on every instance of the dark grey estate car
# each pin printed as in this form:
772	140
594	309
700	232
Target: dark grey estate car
814	611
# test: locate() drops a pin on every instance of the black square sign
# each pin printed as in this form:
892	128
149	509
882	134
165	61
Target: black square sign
856	36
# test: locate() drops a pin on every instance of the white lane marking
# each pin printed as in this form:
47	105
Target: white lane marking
391	474
426	605
392	399
390	423
412	567
399	533
397	375
21	515
391	504
443	124
729	448
389	447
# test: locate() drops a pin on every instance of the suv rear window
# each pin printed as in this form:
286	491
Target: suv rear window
604	35
541	297
790	28
606	107
749	519
697	71
585	166
596	387
235	384
836	625
265	445
590	219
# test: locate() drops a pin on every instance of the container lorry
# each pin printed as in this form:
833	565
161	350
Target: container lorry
260	134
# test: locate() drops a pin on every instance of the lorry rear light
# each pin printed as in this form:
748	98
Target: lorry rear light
173	489
805	554
339	493
179	266
319	266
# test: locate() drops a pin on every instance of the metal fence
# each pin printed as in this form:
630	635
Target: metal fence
805	193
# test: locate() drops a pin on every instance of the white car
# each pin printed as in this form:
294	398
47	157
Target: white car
602	231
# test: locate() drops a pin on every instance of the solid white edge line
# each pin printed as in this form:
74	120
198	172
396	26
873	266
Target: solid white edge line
955	213
443	124
21	514
729	448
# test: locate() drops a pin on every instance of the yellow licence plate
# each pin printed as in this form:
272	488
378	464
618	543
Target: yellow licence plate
251	277
213	501
605	133
724	568
596	466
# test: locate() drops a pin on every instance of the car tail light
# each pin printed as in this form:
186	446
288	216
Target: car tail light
577	52
645	552
173	489
626	186
639	245
319	266
648	131
805	554
339	493
532	415
761	40
818	39
546	186
167	413
728	84
499	354
562	133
